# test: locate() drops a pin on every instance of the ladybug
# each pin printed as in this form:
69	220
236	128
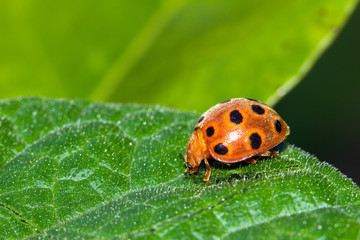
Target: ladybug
233	131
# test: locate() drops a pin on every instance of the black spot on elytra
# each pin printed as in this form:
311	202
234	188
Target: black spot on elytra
255	141
236	117
257	109
278	126
221	149
201	119
210	131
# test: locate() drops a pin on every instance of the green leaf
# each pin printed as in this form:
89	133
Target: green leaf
201	52
76	169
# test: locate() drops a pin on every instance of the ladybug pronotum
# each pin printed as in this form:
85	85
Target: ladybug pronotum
233	131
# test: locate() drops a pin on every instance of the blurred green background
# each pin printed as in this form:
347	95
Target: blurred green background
191	55
324	109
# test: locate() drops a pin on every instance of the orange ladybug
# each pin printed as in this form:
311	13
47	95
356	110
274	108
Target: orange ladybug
233	131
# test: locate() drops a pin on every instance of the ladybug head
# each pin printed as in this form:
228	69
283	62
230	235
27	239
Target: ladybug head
194	154
190	169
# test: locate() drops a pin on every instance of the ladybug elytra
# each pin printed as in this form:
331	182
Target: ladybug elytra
233	131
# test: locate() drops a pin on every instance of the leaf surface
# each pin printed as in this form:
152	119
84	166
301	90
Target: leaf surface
76	169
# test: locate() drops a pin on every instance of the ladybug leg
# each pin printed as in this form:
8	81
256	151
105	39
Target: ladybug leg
208	170
250	160
270	153
274	153
187	171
